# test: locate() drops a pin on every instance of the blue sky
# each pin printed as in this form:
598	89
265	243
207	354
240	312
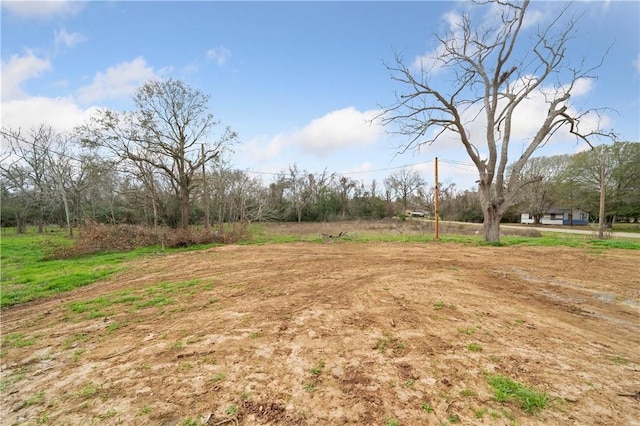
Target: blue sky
297	80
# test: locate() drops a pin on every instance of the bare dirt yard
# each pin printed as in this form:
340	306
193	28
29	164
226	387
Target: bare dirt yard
331	333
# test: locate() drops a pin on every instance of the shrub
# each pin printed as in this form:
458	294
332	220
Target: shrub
96	238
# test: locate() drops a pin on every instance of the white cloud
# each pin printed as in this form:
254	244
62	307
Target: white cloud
341	129
338	130
219	54
19	69
262	149
60	113
42	9
118	81
64	39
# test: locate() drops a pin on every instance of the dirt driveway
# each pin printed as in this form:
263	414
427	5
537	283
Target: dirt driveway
335	333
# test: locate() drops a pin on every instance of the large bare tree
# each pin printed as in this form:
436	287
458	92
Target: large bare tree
487	69
166	131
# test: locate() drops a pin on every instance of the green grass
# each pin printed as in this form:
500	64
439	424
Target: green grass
506	389
26	274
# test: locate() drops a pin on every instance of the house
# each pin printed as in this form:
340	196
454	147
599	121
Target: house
559	217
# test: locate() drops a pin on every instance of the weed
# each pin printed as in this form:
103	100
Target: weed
254	335
474	347
391	422
108	414
186	366
426	407
617	359
88	390
232	410
519	321
189	422
76	354
480	413
385	343
495	358
505	389
17	340
318	368
438	305
468	392
36	399
218	377
310	387
467	330
453	418
410	383
177	345
147	409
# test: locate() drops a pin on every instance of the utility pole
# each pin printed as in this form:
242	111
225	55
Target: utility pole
435	205
602	193
205	193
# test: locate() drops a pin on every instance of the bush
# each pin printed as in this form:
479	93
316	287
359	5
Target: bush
96	238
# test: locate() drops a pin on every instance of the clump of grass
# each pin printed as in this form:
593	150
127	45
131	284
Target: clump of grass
426	407
467	330
318	368
474	347
506	389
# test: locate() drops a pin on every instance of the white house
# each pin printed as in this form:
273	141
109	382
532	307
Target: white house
559	217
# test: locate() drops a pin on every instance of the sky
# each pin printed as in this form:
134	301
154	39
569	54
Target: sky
301	82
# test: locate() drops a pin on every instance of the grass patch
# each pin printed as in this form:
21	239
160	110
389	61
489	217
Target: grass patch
474	347
506	389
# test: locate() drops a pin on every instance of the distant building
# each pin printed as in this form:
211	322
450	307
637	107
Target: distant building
559	217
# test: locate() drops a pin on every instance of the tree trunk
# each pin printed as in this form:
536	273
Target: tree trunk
492	213
184	207
492	225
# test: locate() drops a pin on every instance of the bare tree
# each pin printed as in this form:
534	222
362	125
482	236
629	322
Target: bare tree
27	164
495	67
166	132
404	184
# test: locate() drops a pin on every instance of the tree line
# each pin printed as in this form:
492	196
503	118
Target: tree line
162	165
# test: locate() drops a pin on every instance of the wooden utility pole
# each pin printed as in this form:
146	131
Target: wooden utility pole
205	193
435	205
602	193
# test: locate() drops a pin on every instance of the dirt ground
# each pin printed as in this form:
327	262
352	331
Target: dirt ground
333	333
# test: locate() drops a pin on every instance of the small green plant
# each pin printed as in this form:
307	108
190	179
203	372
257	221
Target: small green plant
310	387
495	358
218	377
147	409
88	390
77	353
453	418
410	383
505	389
177	345
438	305
189	422
480	413
474	347
468	392
232	410
467	330
318	368
426	407
391	422
36	399
17	340
617	359
254	335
